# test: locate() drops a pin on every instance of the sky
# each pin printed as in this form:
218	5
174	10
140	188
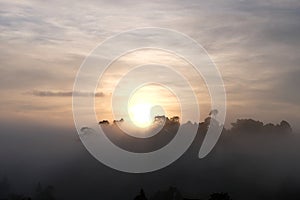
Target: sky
255	45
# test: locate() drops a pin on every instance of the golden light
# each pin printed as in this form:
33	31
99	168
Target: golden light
152	95
140	114
150	101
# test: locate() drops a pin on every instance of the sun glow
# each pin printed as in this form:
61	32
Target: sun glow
150	101
140	114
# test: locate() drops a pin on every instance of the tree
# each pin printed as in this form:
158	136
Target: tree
4	188
160	119
18	197
118	121
219	196
104	122
171	194
213	113
44	193
247	126
141	196
175	119
285	127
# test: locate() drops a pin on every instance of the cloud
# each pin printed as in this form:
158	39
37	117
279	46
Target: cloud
50	93
44	46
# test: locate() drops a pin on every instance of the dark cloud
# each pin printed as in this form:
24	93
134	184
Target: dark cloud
49	93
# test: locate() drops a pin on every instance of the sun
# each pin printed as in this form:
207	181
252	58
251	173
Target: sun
140	114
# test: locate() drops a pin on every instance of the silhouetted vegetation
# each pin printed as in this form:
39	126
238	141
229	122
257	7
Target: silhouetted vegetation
165	129
172	193
141	196
240	126
252	126
246	153
219	196
4	188
40	192
104	122
118	121
18	197
44	193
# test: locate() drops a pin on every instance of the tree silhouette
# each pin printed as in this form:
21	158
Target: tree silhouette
213	113
44	193
285	127
175	119
219	196
141	196
247	125
160	119
104	122
4	188
252	126
171	194
118	121
18	197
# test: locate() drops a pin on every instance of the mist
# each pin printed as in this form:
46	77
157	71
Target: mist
247	165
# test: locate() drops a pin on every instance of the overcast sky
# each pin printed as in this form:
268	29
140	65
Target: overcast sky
255	44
